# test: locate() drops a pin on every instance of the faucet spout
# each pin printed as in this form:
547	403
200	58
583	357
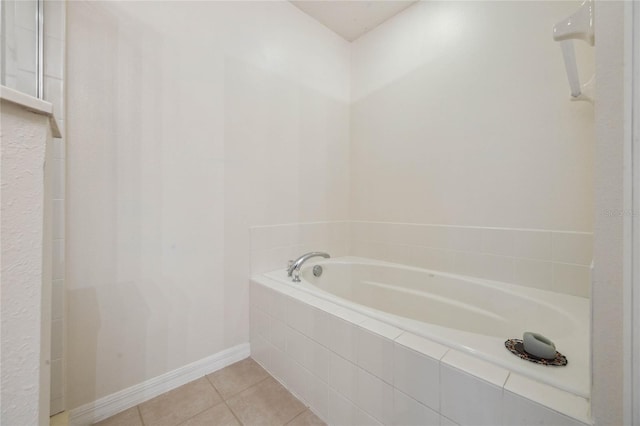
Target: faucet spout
297	264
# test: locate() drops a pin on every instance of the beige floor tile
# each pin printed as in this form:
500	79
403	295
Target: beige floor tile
220	415
178	405
60	419
130	417
307	418
237	377
266	403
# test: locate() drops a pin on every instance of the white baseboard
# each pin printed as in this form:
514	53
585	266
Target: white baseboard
117	402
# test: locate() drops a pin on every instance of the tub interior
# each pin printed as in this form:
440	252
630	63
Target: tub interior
471	305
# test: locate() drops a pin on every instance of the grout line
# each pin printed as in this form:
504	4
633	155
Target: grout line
298	415
232	413
206	376
140	414
207	408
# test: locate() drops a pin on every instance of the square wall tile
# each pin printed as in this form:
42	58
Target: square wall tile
359	248
262	297
54	93
58	187
397	253
57	405
279	362
259	323
375	354
62	127
54	61
476	367
57	339
447	422
310	354
279	306
343	376
375	397
572	279
57	376
498	241
341	410
468	400
530	399
298	381
430	258
321	328
409	412
316	360
363	418
58	219
532	244
464	238
58	266
422	346
498	268
300	316
340	336
533	273
278	334
59	146
57	299
519	411
318	397
569	247
261	261
296	345
417	375
359	231
260	352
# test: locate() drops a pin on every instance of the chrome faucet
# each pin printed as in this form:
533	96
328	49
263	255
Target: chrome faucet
295	265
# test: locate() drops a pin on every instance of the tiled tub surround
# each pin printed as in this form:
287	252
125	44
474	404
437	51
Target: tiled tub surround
273	245
550	260
353	369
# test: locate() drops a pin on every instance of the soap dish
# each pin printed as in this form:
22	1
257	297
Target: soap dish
516	347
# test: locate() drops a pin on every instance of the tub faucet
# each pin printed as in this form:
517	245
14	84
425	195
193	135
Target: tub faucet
295	265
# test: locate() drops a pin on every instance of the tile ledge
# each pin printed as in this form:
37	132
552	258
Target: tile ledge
478	368
552	398
422	346
32	104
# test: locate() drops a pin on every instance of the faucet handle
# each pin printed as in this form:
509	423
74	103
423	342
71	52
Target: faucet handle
296	276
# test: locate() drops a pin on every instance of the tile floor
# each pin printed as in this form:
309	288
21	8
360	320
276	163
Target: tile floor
240	394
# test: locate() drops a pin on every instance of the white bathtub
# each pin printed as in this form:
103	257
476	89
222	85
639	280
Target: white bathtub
464	313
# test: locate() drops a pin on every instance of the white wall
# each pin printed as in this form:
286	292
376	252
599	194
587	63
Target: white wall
608	274
24	346
189	122
461	116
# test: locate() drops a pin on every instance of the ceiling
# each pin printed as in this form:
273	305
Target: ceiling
352	18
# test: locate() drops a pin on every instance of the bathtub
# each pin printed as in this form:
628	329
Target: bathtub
465	313
468	315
